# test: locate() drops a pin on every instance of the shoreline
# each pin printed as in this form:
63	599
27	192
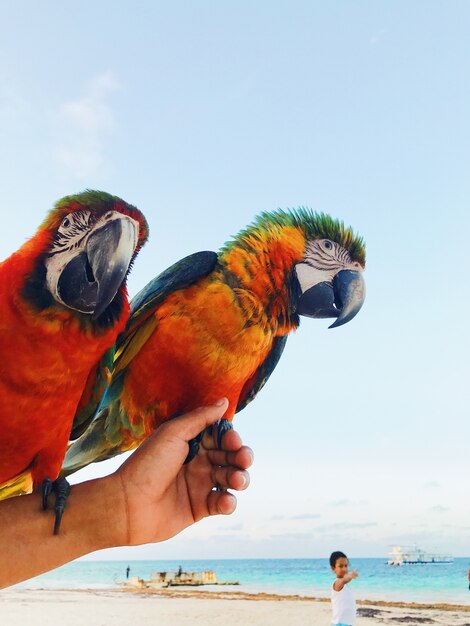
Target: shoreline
177	607
236	595
274	597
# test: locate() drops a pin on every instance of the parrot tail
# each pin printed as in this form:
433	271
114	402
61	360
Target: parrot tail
93	446
17	486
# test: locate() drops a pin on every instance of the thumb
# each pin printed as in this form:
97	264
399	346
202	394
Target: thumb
190	424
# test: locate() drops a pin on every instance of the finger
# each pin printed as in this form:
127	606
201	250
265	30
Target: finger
242	458
221	503
231	440
191	424
230	478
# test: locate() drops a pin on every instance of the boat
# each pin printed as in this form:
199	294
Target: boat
412	555
180	578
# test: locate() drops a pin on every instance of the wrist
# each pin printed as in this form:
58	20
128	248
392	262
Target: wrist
104	523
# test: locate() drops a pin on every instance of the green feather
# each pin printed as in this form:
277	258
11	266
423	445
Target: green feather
314	225
94	200
87	197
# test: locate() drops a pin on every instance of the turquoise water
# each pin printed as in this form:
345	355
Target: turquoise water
313	577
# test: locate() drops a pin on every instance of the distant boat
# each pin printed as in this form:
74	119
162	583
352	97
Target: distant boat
405	555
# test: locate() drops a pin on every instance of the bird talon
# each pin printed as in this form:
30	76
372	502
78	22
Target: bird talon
223	426
193	448
61	488
46	489
62	491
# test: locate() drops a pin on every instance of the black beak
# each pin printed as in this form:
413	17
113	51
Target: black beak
343	299
91	280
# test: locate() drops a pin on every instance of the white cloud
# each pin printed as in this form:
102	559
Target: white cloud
439	508
347	502
344	526
86	123
342	502
233	527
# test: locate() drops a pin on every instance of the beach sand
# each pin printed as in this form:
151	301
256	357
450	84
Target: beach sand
193	608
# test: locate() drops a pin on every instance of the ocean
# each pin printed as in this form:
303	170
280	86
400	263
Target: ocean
432	583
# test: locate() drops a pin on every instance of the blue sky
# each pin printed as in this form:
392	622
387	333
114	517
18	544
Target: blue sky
203	114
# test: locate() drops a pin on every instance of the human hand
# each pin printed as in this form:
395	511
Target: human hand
354	574
151	497
162	496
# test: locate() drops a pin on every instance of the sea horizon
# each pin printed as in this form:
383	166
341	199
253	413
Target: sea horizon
425	583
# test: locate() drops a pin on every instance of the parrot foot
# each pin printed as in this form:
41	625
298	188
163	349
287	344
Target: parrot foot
61	488
222	426
193	448
46	490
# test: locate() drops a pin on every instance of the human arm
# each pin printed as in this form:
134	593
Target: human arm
341	582
150	498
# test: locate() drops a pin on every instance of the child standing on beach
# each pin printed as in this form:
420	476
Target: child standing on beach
343	603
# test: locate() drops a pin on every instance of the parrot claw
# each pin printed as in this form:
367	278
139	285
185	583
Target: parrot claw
193	448
46	489
61	487
62	490
223	426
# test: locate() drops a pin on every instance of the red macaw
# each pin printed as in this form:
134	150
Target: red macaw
63	301
215	325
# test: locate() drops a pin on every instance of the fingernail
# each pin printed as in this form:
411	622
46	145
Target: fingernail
220	402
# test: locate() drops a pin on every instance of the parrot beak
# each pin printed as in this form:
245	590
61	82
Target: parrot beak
343	299
350	293
91	280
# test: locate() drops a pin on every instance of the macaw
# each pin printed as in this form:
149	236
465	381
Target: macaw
63	301
215	325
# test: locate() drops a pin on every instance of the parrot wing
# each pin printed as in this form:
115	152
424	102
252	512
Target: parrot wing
101	429
142	322
260	377
98	381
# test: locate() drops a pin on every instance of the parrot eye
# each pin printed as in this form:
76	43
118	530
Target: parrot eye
327	245
66	222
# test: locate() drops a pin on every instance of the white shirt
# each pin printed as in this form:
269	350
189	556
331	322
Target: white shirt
343	604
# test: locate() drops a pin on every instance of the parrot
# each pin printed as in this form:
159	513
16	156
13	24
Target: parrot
216	324
63	302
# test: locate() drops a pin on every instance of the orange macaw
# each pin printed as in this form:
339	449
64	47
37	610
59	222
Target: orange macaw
215	325
63	301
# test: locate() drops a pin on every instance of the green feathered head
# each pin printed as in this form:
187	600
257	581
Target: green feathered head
82	253
270	224
315	255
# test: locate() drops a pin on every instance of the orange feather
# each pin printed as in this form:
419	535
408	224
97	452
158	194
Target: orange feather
209	339
206	329
46	355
